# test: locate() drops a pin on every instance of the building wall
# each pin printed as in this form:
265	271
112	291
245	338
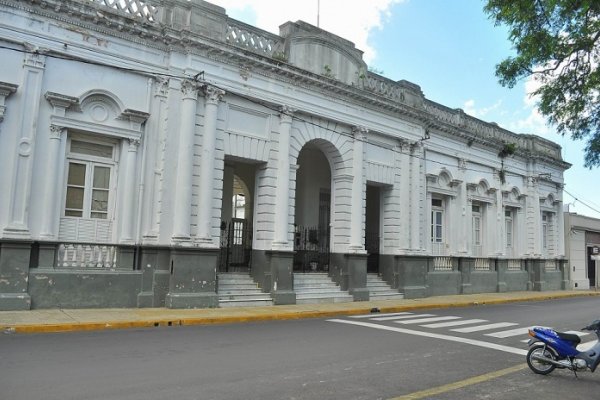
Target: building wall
178	110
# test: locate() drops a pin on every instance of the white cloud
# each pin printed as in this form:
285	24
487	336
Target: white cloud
350	20
534	123
469	108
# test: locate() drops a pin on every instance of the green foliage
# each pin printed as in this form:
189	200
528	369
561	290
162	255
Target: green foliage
507	150
558	43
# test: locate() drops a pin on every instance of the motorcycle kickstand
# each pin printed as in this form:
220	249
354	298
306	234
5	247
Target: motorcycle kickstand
573	368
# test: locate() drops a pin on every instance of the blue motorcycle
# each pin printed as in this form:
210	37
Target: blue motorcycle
549	349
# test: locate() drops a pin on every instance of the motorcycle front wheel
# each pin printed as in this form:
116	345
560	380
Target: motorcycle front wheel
538	366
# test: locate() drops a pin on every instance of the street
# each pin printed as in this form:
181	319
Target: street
453	353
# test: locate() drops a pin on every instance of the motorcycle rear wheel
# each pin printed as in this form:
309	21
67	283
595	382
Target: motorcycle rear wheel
540	367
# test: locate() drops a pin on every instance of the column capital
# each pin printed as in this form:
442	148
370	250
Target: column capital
213	94
134	143
189	88
360	132
161	86
56	131
286	113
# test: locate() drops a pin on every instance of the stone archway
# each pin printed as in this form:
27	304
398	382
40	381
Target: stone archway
312	219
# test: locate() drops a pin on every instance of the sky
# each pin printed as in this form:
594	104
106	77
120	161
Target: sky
448	48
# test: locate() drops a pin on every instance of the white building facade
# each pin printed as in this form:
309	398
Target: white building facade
148	146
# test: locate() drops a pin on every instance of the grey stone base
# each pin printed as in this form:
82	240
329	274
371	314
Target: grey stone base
15	302
283	297
360	294
145	300
415	292
191	300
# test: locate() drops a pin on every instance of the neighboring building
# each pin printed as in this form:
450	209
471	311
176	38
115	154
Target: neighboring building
582	237
150	148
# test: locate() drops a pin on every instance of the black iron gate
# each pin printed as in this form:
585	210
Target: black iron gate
311	244
311	247
236	246
372	247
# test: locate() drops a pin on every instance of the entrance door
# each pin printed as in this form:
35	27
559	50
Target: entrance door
236	246
372	227
591	264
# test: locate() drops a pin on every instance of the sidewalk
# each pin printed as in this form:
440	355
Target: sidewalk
57	320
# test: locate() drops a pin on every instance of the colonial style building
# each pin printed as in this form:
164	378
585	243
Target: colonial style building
158	153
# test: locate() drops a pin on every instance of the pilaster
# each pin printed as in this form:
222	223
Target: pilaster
129	205
282	194
18	207
183	185
213	97
358	188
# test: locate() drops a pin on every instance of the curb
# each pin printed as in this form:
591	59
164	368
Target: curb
262	317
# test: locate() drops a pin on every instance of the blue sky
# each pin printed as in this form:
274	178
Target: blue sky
449	48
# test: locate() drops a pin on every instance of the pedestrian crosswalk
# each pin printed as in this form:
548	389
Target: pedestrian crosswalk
455	324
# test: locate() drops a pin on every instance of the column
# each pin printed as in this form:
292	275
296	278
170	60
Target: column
416	189
128	215
51	180
560	234
500	225
534	218
213	96
154	167
18	207
183	185
462	222
358	187
282	191
404	184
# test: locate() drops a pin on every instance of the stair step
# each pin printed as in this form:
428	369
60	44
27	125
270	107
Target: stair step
245	303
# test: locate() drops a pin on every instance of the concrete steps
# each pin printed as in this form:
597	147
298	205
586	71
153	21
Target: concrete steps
313	288
380	290
239	290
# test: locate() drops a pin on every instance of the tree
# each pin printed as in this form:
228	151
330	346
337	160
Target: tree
557	44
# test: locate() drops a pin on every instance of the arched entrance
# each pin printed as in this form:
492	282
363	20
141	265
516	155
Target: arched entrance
312	232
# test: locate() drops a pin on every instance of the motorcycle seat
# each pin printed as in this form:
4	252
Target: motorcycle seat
569	337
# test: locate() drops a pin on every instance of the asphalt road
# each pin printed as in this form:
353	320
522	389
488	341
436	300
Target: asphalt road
366	357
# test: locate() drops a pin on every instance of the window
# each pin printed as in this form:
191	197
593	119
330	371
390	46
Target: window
437	221
89	174
545	231
508	222
476	222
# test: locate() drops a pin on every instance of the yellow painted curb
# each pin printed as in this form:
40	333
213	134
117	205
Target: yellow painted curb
275	315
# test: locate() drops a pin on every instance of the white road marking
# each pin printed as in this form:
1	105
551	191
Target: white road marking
484	327
379	315
402	317
425	320
455	323
473	342
509	333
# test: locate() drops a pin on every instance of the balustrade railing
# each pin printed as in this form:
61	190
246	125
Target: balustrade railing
137	8
551	265
248	37
483	264
443	264
81	255
514	265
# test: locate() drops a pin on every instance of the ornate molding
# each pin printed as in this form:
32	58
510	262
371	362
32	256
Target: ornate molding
161	86
134	143
6	89
56	131
360	132
286	113
189	89
213	94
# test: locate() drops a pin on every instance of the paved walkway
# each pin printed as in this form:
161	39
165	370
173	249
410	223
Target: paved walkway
59	320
